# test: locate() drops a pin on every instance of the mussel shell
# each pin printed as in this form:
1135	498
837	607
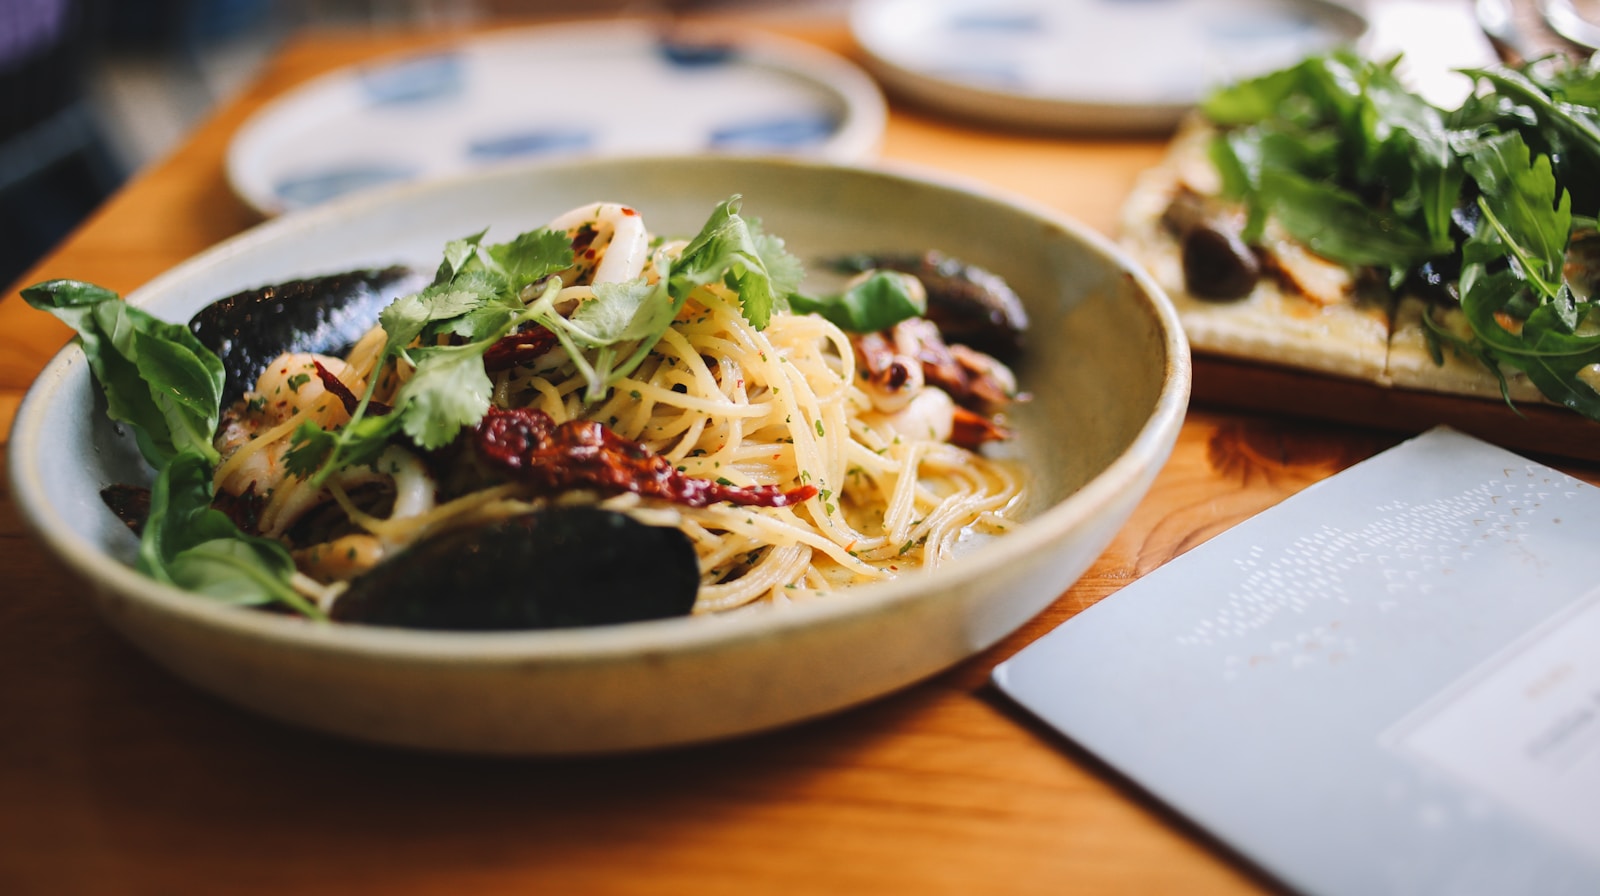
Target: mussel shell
970	305
325	315
558	567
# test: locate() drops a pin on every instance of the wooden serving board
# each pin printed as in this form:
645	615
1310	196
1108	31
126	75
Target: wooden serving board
1531	429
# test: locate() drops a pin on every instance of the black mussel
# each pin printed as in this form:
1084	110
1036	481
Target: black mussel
558	567
970	305
130	504
319	314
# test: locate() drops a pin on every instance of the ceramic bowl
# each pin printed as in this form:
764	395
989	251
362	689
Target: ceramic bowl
1107	366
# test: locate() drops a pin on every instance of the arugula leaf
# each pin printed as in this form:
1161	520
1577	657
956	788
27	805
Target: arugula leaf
190	544
878	302
1348	160
1575	126
1544	349
156	376
1364	172
1525	315
1529	216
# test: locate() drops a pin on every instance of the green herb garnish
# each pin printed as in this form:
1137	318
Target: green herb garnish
1352	164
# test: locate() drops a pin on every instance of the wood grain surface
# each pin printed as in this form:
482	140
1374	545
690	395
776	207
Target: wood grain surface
117	778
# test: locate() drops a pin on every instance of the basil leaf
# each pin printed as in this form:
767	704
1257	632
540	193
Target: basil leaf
877	302
1336	225
156	376
191	545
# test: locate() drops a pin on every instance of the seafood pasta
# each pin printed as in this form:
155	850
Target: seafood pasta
799	444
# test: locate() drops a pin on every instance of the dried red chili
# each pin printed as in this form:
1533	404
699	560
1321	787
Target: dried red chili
969	429
339	390
551	457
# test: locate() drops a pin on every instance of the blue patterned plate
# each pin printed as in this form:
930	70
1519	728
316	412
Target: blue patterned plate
599	89
1102	65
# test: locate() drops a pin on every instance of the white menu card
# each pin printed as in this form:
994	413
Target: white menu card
1388	683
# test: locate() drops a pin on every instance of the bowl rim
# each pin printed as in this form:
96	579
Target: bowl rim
88	562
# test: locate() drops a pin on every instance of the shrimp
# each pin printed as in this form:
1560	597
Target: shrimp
288	391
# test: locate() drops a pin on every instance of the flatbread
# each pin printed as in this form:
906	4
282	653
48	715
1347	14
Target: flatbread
1412	365
1370	337
1271	324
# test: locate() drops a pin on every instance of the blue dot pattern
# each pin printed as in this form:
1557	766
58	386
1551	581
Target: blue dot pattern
424	79
687	55
782	133
312	187
522	144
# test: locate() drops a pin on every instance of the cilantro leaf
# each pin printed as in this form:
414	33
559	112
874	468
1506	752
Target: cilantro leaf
459	256
475	299
634	309
727	248
448	390
532	256
624	321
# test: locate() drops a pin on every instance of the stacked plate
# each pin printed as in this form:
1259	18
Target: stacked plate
590	89
1086	64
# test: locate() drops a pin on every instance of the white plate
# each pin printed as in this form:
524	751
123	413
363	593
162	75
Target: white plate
611	88
1109	374
1097	65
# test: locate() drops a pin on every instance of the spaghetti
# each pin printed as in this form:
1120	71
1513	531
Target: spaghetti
837	479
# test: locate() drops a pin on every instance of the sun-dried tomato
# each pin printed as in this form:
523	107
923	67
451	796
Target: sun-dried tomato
518	348
552	457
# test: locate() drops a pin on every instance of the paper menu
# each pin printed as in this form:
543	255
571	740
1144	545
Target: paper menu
1388	683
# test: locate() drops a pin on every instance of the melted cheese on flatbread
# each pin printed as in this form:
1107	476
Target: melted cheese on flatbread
1412	366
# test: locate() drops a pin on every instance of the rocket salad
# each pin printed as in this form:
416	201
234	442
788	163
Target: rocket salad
1489	207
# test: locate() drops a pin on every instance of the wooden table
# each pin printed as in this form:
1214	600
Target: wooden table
117	778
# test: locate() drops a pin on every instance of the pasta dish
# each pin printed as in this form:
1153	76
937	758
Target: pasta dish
801	444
